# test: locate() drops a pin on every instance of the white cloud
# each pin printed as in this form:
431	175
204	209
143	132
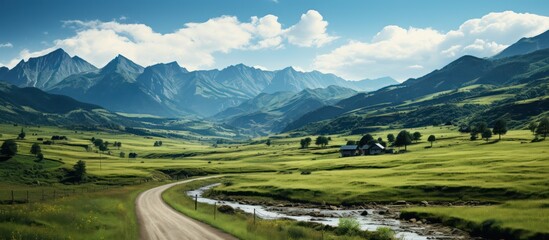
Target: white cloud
6	45
398	52
261	67
309	31
192	46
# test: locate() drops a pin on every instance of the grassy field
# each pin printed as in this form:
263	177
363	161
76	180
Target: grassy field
108	214
455	169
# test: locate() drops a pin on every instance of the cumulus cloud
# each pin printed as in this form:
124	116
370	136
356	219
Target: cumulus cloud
309	31
6	45
192	46
411	52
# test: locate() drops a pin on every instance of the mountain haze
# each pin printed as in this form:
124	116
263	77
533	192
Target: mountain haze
167	90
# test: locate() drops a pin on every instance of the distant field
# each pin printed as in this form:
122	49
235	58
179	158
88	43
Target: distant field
454	169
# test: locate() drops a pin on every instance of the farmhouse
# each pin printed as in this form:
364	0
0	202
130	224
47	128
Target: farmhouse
372	149
348	150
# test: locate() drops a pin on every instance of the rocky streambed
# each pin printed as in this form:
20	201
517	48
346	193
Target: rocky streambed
370	217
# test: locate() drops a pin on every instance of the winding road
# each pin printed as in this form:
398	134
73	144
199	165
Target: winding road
157	220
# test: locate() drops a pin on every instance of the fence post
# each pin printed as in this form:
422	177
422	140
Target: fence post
254	216
12	199
215	207
195	202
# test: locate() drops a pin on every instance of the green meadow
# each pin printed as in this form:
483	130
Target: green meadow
511	175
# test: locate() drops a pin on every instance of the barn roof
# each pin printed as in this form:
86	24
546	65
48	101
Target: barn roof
348	147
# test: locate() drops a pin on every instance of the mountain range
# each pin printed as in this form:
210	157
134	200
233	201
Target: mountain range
241	100
165	89
467	89
271	112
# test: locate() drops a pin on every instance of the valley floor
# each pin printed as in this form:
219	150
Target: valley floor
506	180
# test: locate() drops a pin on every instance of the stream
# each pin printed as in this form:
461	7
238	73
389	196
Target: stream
372	221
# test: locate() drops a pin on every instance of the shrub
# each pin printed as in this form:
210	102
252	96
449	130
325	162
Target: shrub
347	226
383	233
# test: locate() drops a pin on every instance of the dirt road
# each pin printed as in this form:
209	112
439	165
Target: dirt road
157	220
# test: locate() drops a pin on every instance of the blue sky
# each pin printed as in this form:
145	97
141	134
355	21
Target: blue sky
353	39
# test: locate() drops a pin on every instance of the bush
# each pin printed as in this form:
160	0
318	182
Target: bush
383	233
347	226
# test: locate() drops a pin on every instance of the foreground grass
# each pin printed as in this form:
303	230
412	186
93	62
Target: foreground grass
525	219
109	214
240	224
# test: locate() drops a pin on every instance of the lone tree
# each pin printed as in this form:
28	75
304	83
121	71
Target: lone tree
122	155
322	141
416	136
532	127
8	148
431	139
500	128
35	149
487	134
305	142
268	142
543	127
365	140
21	135
403	139
80	171
390	138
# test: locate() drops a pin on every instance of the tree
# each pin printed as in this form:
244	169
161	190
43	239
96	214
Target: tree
431	139
391	138
122	155
39	157
322	141
416	136
487	134
22	134
543	127
9	148
351	142
500	128
532	127
80	171
268	142
365	139
403	139
35	149
98	142
103	148
305	142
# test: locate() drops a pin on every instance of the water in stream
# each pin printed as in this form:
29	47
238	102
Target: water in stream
370	222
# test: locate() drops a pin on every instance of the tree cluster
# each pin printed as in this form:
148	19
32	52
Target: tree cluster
157	143
132	155
305	142
322	141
